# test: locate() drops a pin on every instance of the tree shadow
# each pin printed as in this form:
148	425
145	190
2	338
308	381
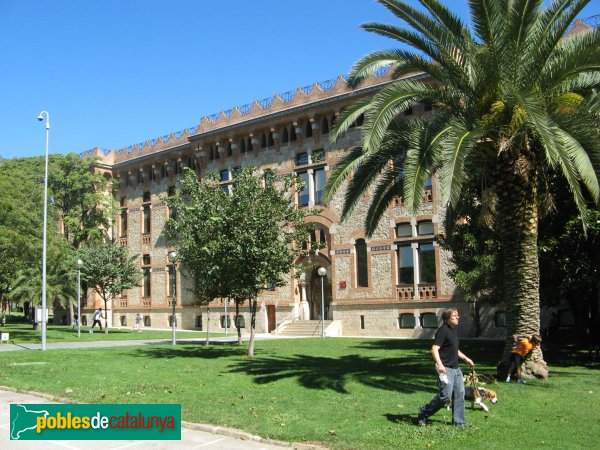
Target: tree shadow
215	350
405	375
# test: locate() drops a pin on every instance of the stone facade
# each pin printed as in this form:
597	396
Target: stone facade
394	283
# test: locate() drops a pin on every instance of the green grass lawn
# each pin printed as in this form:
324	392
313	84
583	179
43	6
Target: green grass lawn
23	332
342	393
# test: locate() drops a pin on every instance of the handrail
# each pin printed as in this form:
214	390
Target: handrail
291	314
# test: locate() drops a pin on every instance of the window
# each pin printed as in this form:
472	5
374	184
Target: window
406	265
500	319
147	285
240	322
362	322
425	227
224	175
242	145
229	149
320	180
211	153
362	271
293	134
270	141
249	146
404	230
263	141
146	260
123	321
123	223
171	191
223	322
122	202
147	321
171	321
429	320
146	197
325	125
285	137
308	130
146	225
84	320
427	263
199	322
271	286
407	320
303	193
301	159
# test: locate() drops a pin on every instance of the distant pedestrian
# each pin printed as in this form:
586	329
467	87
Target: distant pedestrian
451	383
138	322
518	355
97	320
75	321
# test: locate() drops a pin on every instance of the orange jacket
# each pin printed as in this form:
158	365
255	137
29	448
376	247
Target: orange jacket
524	347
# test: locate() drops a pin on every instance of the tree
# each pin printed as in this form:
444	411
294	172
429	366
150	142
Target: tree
236	241
109	270
512	98
82	197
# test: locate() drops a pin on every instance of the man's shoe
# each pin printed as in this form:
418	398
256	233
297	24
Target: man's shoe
423	422
508	379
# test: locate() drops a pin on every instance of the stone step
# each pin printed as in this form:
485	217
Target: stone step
304	328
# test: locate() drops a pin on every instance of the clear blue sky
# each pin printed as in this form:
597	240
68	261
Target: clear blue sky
113	73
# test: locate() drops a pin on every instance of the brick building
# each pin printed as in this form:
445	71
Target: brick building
394	283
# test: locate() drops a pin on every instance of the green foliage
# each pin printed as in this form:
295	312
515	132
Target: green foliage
233	244
109	270
82	197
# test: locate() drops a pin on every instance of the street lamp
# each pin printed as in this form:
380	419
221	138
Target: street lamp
40	118
79	266
173	259
322	273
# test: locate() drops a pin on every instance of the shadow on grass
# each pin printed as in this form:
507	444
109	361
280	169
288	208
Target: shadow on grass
405	375
214	351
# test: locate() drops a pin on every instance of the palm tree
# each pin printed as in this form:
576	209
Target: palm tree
512	98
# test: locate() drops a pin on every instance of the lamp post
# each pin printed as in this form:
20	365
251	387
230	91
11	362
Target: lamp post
173	259
40	118
322	273
79	266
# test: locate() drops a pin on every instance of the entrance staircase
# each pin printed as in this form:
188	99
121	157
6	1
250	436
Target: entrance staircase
303	328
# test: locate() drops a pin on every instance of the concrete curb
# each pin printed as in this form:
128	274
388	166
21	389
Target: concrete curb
214	429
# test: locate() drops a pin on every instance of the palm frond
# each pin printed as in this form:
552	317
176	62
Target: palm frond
344	169
347	117
389	186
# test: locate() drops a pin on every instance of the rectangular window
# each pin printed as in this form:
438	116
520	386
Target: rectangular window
407	321
147	321
425	227
171	191
362	322
240	322
123	223
199	322
123	321
429	320
147	285
404	230
320	180
427	263
302	159
146	227
223	321
224	175
362	270
500	319
303	194
146	260
406	265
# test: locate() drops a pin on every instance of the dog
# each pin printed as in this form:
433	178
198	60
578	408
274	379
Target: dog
477	396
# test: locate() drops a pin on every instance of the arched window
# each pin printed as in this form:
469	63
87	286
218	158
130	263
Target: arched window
429	320
308	130
362	270
249	146
425	227
211	153
325	125
263	141
285	138
407	320
404	230
242	145
229	149
292	134
270	141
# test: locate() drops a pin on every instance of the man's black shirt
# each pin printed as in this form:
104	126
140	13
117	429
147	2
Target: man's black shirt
447	338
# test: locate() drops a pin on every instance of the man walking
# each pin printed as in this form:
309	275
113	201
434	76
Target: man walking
450	380
97	320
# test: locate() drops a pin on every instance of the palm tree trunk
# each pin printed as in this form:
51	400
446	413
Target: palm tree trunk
518	226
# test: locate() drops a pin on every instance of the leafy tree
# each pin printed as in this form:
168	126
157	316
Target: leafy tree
109	270
82	197
234	244
511	100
